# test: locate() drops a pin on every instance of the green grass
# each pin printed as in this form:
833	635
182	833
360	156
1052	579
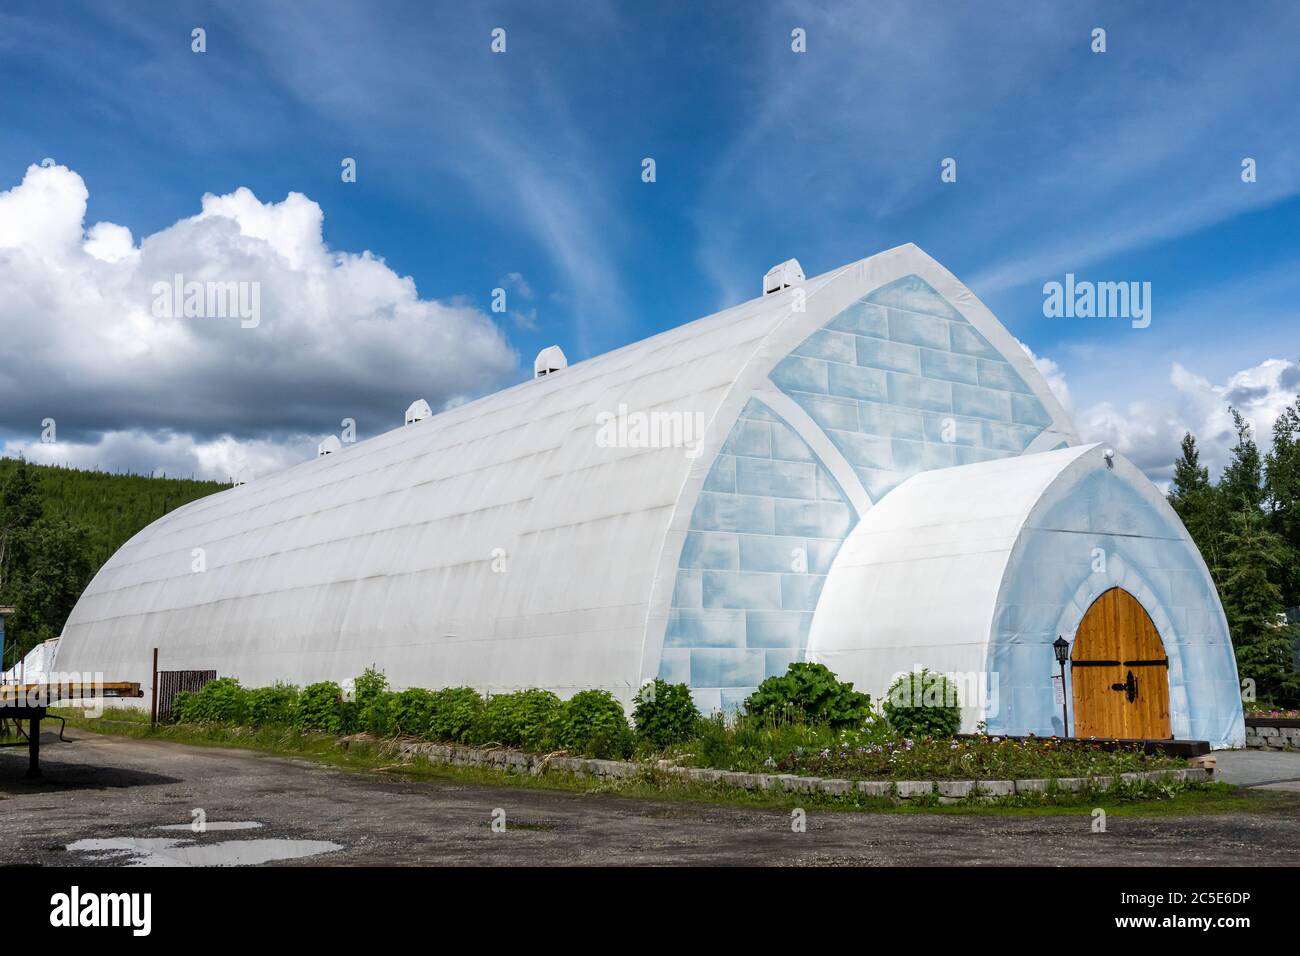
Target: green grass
112	714
1153	799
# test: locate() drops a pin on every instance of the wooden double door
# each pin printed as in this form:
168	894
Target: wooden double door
1120	672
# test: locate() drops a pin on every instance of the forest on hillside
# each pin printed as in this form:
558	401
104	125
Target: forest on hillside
57	528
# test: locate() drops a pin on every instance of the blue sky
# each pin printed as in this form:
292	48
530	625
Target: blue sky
1122	165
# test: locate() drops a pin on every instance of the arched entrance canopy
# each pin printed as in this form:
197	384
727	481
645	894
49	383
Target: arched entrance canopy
975	570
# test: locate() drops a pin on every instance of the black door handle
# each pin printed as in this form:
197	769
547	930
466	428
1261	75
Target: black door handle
1129	687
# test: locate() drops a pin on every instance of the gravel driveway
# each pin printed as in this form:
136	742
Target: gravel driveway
112	800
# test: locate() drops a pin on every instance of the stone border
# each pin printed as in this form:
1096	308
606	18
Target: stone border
1276	733
948	790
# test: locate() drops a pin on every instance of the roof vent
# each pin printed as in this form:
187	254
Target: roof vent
418	411
329	446
783	276
550	359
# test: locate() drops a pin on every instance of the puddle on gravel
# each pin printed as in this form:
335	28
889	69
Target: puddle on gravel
171	851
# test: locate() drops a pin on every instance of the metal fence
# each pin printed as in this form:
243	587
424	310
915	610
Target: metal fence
171	683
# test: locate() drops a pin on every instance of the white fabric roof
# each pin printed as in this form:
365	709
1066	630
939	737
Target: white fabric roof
917	581
496	544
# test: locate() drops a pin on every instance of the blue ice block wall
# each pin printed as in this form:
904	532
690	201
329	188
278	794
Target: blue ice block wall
762	538
900	382
893	375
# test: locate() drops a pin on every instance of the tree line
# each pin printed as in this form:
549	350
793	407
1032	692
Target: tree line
58	526
1247	527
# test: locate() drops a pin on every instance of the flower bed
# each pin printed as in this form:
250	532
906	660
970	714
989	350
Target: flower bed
874	752
984	758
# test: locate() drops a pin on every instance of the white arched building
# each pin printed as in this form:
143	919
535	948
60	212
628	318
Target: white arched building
862	468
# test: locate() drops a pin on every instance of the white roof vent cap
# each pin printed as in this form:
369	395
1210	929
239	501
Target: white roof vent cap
783	276
550	359
329	446
418	411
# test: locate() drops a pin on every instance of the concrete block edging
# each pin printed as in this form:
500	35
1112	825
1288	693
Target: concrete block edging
945	790
1272	736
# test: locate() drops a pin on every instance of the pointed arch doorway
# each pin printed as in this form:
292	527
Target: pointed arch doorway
1120	671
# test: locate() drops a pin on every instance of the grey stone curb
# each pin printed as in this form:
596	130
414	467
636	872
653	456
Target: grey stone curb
947	790
1272	738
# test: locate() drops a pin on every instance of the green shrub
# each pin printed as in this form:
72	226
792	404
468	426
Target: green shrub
715	744
923	704
665	714
454	713
412	710
181	704
811	692
374	704
273	706
525	718
320	707
376	717
592	722
221	701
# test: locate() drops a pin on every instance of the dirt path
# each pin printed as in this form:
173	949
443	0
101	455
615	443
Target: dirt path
115	793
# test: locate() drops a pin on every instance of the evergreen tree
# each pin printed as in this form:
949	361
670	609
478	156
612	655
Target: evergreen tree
1197	504
1282	487
1253	605
20	507
1242	484
53	567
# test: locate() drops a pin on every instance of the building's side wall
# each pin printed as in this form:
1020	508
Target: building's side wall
507	543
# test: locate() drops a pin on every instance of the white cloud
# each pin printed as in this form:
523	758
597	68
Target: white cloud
1054	375
340	334
1149	431
171	454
